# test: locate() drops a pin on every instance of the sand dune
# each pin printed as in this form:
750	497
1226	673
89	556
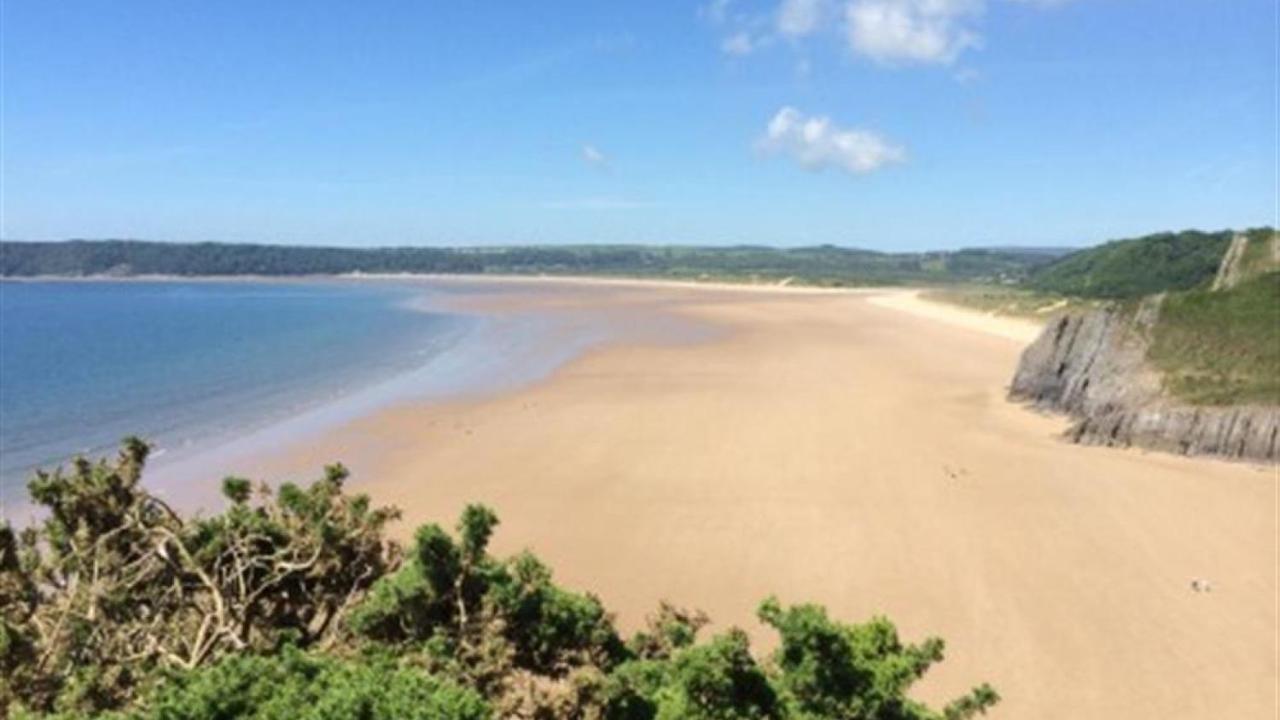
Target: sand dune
1023	331
838	449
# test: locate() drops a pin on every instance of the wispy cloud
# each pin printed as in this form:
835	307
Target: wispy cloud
742	33
797	18
715	11
739	43
817	143
888	32
592	156
549	59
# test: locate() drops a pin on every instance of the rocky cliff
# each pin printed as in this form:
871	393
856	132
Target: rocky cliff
1092	367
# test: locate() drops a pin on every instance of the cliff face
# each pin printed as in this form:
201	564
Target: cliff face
1092	367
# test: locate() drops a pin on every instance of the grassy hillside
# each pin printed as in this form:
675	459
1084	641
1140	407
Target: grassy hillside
1136	267
1220	348
1213	347
1261	254
823	265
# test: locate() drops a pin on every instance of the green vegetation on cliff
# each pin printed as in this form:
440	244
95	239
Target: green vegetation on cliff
1216	337
292	604
1136	267
1221	347
1262	254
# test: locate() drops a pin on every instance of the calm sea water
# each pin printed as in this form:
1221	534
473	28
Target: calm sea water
188	364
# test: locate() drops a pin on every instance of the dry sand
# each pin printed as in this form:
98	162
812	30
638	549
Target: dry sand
835	448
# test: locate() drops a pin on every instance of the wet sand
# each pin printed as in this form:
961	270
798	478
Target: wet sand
857	451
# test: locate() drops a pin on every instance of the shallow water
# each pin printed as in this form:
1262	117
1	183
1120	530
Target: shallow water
217	373
189	364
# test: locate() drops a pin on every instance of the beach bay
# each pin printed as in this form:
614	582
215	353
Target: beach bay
712	445
834	448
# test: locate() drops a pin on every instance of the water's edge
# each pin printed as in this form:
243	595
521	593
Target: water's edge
481	353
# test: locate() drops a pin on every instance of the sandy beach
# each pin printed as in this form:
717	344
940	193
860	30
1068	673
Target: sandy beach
854	450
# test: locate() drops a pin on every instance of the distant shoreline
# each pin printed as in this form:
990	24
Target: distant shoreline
717	283
821	265
912	299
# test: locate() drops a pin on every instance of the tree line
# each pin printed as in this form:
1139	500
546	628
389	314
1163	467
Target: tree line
1137	267
826	265
1119	269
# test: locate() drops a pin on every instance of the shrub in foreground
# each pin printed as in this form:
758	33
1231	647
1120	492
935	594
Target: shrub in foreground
292	604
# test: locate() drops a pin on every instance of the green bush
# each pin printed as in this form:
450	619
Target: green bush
293	685
833	670
290	604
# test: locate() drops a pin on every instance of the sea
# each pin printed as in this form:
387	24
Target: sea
191	366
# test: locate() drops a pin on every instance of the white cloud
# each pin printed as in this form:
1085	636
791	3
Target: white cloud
738	44
817	143
890	32
912	31
593	157
797	18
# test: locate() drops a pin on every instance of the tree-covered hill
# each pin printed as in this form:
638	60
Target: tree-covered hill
1135	267
290	604
823	265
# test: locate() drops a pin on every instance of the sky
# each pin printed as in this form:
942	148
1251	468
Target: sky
883	124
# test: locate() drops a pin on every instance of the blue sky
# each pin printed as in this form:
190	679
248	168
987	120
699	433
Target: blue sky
887	124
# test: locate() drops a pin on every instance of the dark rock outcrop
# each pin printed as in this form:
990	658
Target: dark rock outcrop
1092	367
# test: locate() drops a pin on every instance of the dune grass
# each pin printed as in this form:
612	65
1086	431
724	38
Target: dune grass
1222	348
1009	301
1260	254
